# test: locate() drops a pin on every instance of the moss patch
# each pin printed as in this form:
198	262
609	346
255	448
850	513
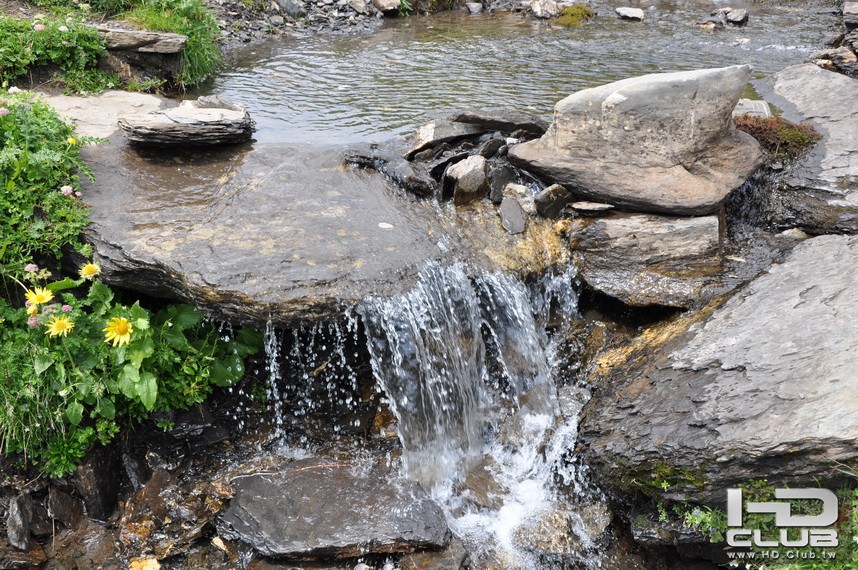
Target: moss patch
574	15
779	137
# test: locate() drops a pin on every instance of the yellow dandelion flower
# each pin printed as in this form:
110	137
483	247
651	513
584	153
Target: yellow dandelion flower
71	140
59	326
118	330
32	310
90	270
39	296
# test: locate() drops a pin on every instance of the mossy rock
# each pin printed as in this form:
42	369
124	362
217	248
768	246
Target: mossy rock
574	15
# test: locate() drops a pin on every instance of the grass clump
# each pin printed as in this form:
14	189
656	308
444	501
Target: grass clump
574	15
187	17
782	139
73	47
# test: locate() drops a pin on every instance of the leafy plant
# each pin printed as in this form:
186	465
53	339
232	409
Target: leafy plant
72	46
40	209
781	138
75	367
404	8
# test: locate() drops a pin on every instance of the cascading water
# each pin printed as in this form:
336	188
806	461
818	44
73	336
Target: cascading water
467	367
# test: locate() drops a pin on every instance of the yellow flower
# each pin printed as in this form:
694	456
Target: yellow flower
118	330
32	310
60	326
39	296
71	140
90	270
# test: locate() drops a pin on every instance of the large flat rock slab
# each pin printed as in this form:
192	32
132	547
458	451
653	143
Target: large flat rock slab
315	509
820	190
659	143
764	388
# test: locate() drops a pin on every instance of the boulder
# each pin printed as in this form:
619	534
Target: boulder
208	121
474	7
648	260
454	558
141	40
433	134
850	15
387	7
359	6
662	143
505	120
818	192
293	8
544	9
627	13
753	107
19	513
98	483
513	218
737	17
523	196
841	59
467	179
313	509
764	388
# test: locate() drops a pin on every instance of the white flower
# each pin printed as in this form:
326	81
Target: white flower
63	29
15	90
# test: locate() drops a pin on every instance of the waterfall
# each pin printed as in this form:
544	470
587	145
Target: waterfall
467	367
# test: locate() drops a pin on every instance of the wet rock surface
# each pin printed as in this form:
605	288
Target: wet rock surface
741	395
293	513
819	192
608	144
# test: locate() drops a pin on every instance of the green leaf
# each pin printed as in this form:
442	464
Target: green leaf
139	317
227	372
131	373
106	409
99	298
248	341
42	362
66	283
140	353
185	316
74	412
147	389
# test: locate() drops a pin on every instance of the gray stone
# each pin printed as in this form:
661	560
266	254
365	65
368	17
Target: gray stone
277	20
64	508
662	143
551	201
468	180
850	15
359	6
737	17
819	191
293	8
648	260
513	217
711	24
387	7
591	208
627	13
504	120
322	509
19	513
499	176
544	8
753	107
437	132
141	40
454	558
474	7
98	483
524	197
764	388
490	147
208	121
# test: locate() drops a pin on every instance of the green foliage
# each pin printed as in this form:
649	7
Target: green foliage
574	15
781	138
87	81
64	387
39	156
187	17
72	46
404	8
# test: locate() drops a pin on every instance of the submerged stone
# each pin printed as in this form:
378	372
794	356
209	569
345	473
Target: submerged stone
767	380
662	143
314	509
504	120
